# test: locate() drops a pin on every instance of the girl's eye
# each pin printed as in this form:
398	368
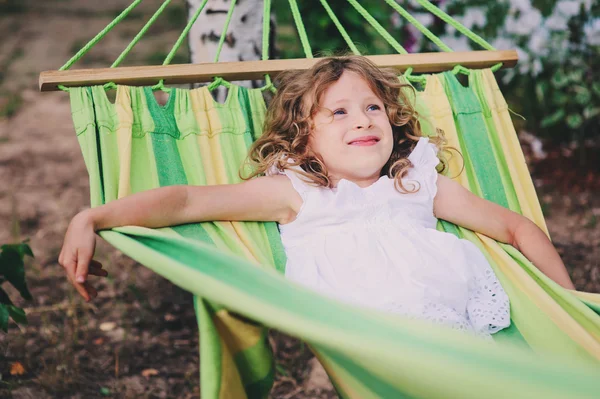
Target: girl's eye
373	107
339	112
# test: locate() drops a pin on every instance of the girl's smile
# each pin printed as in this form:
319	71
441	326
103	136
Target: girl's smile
365	141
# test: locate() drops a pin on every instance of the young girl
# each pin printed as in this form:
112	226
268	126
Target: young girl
355	190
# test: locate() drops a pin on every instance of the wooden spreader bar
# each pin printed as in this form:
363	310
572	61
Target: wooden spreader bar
232	71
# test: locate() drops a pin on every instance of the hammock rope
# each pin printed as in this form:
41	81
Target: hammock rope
140	34
340	28
301	33
265	42
413	21
377	26
300	28
99	36
454	23
224	31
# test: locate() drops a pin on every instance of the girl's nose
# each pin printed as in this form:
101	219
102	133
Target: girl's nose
362	121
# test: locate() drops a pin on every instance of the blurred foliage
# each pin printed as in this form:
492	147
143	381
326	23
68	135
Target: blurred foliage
555	86
322	33
12	270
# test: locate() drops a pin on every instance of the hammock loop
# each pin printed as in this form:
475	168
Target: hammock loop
64	88
219	81
412	78
110	85
461	69
496	67
161	86
268	84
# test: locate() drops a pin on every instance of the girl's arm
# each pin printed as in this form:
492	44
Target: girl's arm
458	205
262	199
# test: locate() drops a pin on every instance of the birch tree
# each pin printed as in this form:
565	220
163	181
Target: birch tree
243	41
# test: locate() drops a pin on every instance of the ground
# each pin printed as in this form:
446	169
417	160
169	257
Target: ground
139	337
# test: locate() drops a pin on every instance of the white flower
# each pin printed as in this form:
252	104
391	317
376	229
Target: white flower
538	42
525	23
460	43
524	60
568	8
473	17
425	19
592	32
556	22
503	43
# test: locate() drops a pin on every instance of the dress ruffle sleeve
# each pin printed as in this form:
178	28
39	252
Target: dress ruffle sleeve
424	160
488	305
300	185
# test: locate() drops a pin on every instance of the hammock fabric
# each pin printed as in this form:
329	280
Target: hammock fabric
551	350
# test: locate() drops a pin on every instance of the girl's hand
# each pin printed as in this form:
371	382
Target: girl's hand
76	255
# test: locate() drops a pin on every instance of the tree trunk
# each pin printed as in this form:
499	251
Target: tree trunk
243	41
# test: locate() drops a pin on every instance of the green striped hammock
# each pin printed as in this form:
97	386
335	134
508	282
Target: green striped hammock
234	269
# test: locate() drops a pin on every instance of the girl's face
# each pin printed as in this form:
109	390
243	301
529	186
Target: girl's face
352	132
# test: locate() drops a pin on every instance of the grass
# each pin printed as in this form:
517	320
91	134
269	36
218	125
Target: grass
11	106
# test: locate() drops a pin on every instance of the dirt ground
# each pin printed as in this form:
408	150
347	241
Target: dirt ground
139	337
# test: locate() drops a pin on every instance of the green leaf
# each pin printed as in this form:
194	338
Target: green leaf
22	248
4	297
574	121
583	95
3	317
17	314
590	112
104	391
596	88
12	267
559	79
553	118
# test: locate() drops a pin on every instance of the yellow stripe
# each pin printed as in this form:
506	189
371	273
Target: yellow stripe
124	137
231	382
435	99
588	296
237	334
210	147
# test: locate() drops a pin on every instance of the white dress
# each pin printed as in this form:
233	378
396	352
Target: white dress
378	248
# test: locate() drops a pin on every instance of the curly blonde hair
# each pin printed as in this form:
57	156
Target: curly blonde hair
288	122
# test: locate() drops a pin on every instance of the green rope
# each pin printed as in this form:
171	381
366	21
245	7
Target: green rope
184	34
436	40
224	32
340	28
300	27
99	36
392	42
141	33
266	29
460	27
161	83
265	42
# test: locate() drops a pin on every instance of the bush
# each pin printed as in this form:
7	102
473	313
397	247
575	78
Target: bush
12	271
556	84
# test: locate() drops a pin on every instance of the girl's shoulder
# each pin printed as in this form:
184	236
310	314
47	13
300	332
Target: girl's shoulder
424	154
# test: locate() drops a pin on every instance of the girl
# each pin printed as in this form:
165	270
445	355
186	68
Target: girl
355	190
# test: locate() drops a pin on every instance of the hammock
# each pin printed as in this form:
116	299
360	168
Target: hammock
234	269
